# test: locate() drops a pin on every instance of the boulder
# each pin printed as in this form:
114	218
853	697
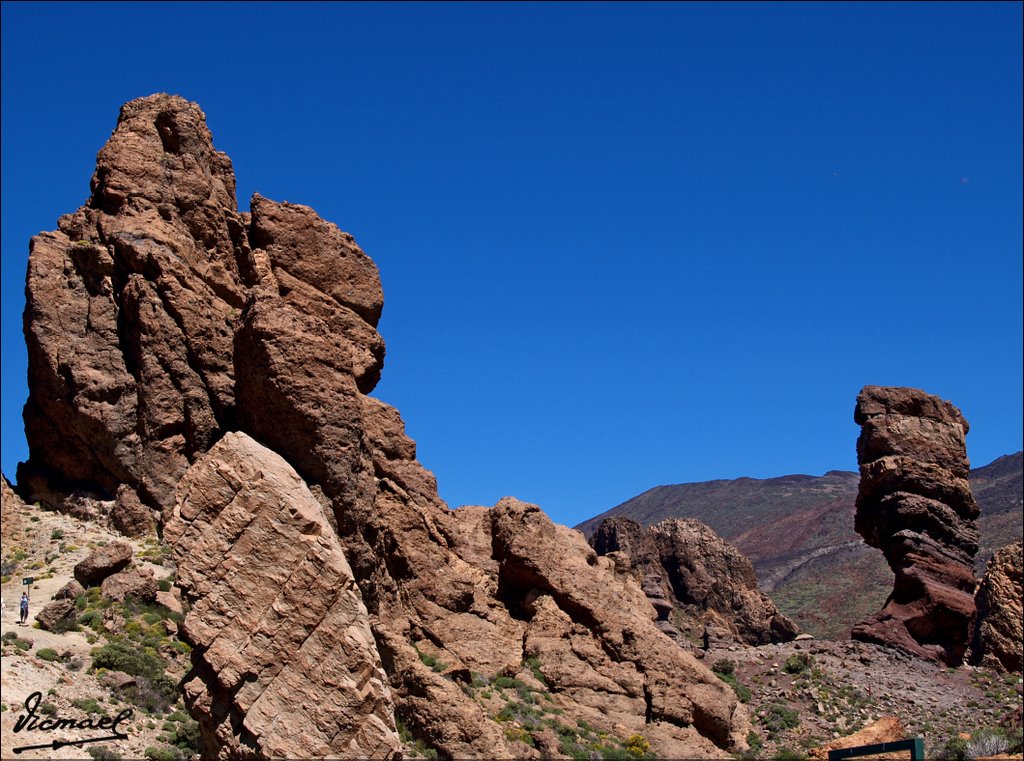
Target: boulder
55	613
102	562
275	614
117	680
914	503
169	601
130	584
69	591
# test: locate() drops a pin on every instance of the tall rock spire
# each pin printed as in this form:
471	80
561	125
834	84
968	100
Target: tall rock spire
915	504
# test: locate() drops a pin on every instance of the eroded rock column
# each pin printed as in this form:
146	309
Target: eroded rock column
915	505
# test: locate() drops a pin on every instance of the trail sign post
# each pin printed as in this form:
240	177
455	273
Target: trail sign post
28	581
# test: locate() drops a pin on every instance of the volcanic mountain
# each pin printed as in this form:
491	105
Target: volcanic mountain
798	532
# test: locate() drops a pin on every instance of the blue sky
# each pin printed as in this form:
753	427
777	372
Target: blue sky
621	245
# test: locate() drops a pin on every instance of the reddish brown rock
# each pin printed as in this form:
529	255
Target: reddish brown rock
56	613
128	314
130	517
998	641
914	503
10	509
629	669
284	664
69	591
161	324
169	600
131	583
103	562
693	577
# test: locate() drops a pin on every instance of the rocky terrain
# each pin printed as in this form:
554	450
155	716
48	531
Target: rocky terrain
798	532
800	694
287	582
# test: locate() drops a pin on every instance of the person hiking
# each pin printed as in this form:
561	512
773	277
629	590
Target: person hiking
707	639
24	608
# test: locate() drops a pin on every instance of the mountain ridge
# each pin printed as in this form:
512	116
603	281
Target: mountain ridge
800	537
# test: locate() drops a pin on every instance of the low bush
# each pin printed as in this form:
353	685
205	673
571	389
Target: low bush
103	753
797	663
724	666
776	717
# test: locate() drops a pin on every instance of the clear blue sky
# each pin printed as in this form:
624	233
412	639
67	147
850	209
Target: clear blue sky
621	245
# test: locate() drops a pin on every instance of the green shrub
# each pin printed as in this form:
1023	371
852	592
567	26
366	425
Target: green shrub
776	717
785	754
118	655
507	682
797	663
534	665
185	735
47	654
431	661
755	742
724	666
152	753
988	741
152	695
103	753
69	624
725	669
56	534
89	705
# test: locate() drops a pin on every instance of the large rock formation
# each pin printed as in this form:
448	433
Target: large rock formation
284	663
217	365
998	640
693	578
915	504
129	313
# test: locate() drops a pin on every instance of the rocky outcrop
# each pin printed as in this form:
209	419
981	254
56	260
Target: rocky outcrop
10	508
693	578
102	562
915	504
284	664
176	344
129	313
998	641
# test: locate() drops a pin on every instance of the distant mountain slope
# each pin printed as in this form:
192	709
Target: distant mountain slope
798	532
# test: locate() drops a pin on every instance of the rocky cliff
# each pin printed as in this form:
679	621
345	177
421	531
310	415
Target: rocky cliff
915	504
998	640
213	367
694	578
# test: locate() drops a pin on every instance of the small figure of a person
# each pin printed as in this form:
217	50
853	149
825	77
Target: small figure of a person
706	637
24	608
